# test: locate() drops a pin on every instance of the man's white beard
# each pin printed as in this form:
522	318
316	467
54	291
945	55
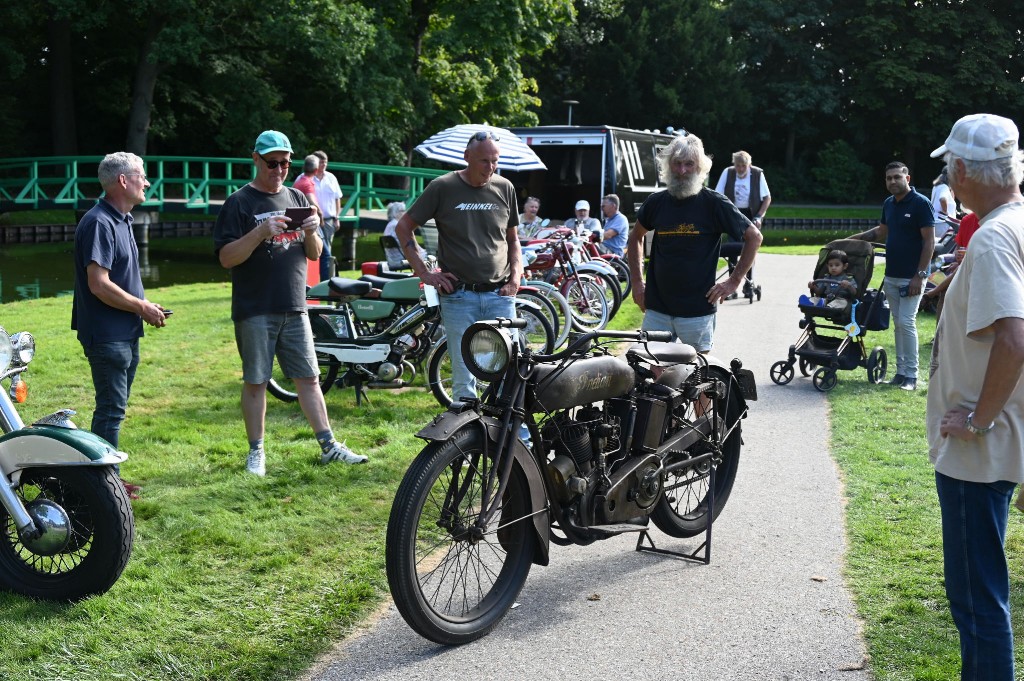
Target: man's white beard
684	187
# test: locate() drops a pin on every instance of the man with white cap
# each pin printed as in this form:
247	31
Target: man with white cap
583	224
266	253
976	398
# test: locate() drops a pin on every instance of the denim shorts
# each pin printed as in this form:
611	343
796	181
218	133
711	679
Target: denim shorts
286	335
696	331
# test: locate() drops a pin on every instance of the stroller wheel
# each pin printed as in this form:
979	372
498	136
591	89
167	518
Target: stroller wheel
824	380
805	367
877	365
781	372
757	291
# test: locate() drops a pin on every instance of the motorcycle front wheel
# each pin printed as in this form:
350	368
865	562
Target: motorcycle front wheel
451	582
284	388
88	542
439	375
682	510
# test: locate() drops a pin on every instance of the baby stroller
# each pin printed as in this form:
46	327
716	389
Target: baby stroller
831	353
731	252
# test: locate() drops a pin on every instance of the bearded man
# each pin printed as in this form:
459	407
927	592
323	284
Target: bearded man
688	221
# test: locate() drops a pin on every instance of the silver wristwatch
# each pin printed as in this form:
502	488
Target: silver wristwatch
969	425
923	274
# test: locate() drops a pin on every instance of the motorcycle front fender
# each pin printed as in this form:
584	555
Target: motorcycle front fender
447	424
44	445
598	266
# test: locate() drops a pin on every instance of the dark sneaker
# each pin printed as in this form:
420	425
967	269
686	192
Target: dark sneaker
898	380
909	384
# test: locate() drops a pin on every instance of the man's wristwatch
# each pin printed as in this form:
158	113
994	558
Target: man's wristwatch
923	274
969	425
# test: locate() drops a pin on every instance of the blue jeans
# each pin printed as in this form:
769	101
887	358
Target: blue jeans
974	517
327	229
904	322
459	310
113	368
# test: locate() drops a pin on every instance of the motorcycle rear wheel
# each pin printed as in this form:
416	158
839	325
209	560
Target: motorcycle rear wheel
284	389
682	510
450	587
98	545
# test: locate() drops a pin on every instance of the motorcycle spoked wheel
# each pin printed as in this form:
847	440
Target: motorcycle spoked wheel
98	544
682	510
450	586
284	388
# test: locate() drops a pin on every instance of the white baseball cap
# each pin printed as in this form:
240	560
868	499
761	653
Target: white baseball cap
980	137
582	205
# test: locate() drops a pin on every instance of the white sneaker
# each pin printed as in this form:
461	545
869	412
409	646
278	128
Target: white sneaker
339	452
256	462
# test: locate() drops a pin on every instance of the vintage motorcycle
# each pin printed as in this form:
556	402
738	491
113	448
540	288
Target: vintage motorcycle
66	523
379	336
612	444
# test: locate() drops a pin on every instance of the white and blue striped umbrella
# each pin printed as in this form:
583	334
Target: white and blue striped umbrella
449	145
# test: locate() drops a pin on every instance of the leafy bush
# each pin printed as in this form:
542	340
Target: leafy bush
839	175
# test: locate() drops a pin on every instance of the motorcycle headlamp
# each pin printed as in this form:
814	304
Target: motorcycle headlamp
24	347
6	350
487	351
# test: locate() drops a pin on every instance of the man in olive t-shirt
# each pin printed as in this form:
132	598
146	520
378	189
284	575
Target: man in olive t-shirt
478	249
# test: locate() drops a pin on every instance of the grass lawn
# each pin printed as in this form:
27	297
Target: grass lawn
235	577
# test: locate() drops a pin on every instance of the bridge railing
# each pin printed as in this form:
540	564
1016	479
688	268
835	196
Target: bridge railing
191	184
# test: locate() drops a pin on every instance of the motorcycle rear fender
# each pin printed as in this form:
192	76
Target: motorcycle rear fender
42	445
444	427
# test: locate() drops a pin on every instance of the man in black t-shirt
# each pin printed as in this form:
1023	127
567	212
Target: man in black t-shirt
267	257
688	221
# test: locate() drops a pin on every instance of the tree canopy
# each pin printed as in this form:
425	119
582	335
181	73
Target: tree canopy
366	80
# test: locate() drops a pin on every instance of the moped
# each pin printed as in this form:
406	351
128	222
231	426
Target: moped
66	523
374	333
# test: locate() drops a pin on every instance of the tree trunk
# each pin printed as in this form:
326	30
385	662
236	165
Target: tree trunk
63	131
143	86
790	146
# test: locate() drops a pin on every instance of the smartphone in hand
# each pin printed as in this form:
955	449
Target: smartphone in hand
297	216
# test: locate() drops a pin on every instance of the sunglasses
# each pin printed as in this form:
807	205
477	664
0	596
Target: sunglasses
481	136
274	164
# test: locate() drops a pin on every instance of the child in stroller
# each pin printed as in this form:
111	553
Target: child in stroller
835	290
867	310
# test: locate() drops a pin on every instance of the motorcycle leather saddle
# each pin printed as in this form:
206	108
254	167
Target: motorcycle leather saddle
663	353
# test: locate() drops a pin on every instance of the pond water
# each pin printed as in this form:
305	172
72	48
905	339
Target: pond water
45	270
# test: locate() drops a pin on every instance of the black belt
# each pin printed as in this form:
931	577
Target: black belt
477	288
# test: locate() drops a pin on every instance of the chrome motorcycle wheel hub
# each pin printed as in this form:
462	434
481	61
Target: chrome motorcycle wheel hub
55	525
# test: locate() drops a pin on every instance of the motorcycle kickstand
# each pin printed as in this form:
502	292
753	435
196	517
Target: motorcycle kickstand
706	545
361	394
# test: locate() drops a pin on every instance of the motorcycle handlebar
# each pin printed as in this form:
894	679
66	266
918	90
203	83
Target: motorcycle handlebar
585	339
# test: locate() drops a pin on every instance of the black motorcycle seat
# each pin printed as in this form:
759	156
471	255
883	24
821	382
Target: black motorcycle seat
379	282
663	353
349	287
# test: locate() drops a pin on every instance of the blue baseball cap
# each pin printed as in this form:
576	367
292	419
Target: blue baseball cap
272	140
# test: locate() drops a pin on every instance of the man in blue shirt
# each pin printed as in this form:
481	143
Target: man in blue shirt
110	304
616	226
907	229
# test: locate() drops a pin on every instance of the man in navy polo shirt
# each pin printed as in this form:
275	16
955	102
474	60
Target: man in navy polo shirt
109	303
907	229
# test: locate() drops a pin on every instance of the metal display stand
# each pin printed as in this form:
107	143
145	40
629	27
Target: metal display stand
696	554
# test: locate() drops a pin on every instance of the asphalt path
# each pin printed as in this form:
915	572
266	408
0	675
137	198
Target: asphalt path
771	605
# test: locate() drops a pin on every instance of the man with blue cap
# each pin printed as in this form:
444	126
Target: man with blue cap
267	256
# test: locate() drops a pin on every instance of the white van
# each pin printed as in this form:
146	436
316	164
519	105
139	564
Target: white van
587	162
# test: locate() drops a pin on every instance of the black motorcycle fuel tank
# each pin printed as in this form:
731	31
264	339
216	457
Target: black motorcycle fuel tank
581	382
